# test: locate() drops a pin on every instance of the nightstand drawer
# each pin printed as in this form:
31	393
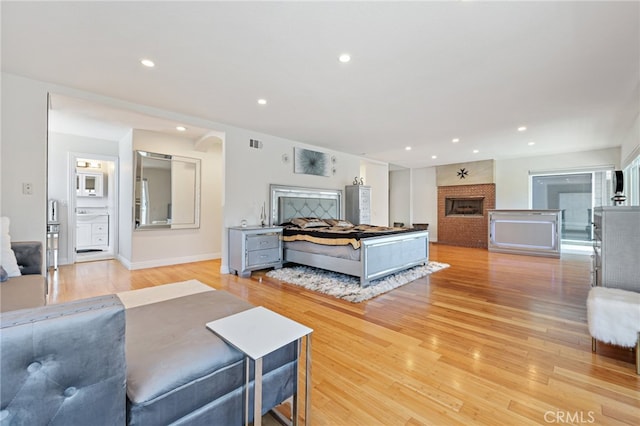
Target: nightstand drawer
262	242
262	257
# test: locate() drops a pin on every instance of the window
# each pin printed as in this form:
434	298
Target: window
632	183
575	195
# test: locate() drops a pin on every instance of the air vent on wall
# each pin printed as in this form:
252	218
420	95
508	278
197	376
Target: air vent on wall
255	143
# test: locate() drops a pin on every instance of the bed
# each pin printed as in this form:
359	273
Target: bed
379	253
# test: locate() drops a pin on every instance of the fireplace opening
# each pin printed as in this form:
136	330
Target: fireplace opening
471	206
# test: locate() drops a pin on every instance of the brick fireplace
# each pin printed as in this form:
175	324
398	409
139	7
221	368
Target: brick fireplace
463	217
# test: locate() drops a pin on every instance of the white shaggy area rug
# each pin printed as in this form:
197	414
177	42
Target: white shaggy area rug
348	287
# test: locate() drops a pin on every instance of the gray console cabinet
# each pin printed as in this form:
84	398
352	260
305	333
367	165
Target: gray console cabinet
358	204
254	247
616	246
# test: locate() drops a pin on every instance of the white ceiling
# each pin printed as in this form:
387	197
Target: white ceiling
421	73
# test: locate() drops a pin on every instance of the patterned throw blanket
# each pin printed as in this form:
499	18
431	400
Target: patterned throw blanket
339	235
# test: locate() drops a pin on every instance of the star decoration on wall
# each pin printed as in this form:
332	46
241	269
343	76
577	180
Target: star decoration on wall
462	174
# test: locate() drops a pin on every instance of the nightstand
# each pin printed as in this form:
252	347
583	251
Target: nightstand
254	247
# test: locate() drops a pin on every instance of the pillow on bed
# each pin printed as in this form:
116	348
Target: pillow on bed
338	222
308	222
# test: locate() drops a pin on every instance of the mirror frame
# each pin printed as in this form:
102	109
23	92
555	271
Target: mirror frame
138	172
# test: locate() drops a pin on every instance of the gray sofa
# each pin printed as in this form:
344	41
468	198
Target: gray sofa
30	289
96	362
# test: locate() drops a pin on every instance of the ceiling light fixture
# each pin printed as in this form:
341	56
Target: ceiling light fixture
181	128
434	157
455	140
408	148
522	128
262	101
475	151
147	63
344	58
531	143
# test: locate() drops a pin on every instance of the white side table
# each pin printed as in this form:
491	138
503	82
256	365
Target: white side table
257	332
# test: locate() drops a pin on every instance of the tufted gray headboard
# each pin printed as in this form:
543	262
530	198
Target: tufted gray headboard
288	202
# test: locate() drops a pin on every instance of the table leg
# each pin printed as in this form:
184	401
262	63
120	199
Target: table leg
246	391
257	393
307	391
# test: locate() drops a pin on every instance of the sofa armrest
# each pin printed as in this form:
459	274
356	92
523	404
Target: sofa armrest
64	364
29	256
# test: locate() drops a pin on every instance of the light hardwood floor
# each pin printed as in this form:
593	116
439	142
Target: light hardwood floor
494	339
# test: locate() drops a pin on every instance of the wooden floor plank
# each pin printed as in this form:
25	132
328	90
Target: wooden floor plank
494	339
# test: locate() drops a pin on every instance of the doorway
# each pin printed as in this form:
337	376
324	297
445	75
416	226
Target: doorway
93	212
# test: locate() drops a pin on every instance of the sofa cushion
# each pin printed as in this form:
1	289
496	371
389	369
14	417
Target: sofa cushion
26	291
29	256
175	365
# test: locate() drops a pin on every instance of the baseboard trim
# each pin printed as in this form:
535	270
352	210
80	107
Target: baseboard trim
168	261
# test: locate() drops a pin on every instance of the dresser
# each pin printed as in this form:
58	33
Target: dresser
254	247
616	247
358	204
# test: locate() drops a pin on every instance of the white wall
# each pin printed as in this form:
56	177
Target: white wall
424	199
400	196
24	157
125	210
631	144
170	246
511	179
376	176
250	171
512	176
60	145
246	172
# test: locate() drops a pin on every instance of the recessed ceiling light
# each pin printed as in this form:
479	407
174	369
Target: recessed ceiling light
181	128
344	58
147	63
434	156
262	101
408	148
531	143
475	151
522	128
455	140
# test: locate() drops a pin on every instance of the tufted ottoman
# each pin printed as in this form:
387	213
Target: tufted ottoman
614	317
179	372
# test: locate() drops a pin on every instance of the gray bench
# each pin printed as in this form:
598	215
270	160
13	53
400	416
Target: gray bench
95	362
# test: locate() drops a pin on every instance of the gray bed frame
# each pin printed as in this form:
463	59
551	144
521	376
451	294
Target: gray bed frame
379	256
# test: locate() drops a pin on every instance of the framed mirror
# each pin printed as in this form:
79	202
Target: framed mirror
167	191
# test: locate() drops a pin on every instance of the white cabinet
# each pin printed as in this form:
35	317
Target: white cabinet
83	235
254	248
89	184
616	244
92	232
358	204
